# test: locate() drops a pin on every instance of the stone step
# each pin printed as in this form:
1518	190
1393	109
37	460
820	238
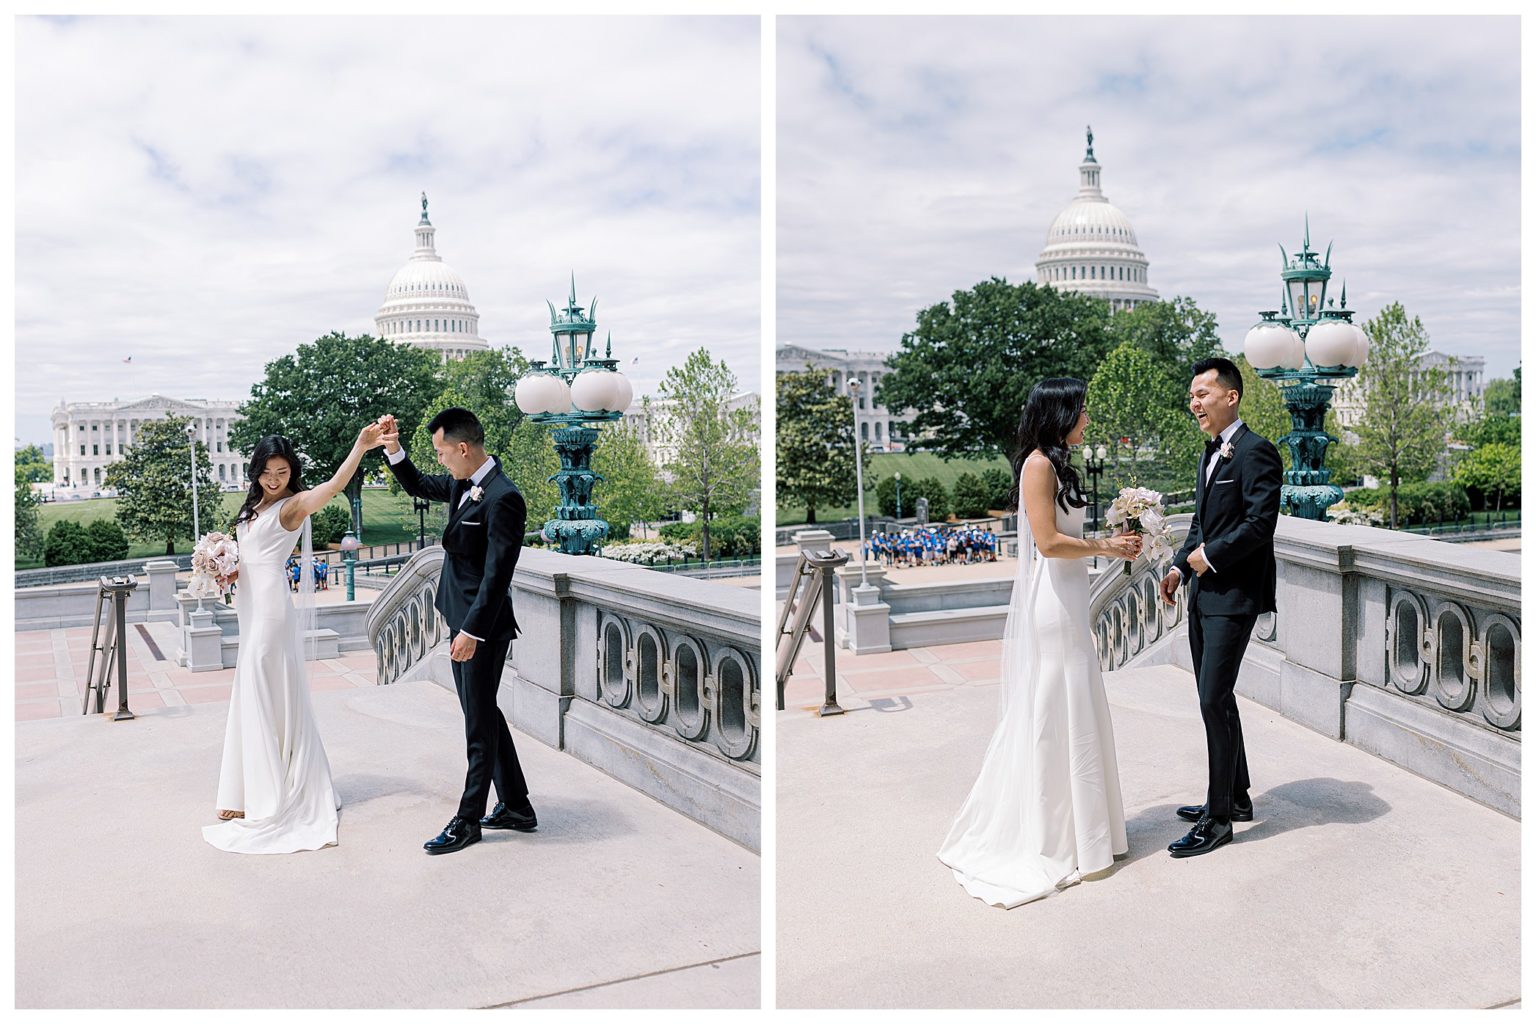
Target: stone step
948	626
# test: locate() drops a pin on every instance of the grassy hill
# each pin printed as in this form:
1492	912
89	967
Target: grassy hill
911	466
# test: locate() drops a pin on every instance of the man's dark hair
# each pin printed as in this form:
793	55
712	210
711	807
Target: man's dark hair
458	425
1227	374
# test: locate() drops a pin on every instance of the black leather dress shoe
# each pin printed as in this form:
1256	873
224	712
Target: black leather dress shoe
1194	812
503	816
459	834
1207	834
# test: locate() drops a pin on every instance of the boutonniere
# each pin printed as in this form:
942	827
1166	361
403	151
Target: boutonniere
1225	452
476	493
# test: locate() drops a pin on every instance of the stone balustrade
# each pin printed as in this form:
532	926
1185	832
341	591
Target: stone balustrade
652	677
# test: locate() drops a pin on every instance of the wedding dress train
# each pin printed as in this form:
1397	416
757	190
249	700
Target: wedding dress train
1046	807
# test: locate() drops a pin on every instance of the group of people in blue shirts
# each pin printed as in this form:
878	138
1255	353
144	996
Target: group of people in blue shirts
930	545
317	566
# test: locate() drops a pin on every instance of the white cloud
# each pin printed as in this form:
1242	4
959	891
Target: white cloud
206	194
918	156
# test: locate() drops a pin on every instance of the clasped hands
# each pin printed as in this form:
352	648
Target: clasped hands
383	431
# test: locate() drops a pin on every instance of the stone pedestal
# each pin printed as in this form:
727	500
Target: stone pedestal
863	619
162	589
813	540
202	642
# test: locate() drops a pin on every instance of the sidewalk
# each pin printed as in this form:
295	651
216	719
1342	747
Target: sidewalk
1357	885
615	901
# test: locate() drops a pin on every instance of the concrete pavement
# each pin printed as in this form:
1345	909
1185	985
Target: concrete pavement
1357	885
615	901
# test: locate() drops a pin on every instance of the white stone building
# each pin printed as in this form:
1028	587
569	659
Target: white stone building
1091	247
90	436
1467	385
883	430
427	304
637	418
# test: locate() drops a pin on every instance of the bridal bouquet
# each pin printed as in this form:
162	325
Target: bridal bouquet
215	557
1140	510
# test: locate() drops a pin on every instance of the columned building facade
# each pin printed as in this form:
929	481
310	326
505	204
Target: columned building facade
883	430
90	436
1466	380
427	304
1091	247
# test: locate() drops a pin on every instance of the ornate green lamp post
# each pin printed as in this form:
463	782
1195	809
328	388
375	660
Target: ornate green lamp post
575	393
1308	348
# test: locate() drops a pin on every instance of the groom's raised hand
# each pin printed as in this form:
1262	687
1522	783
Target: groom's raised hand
391	433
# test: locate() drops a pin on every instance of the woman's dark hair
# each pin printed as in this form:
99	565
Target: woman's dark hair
1050	413
270	447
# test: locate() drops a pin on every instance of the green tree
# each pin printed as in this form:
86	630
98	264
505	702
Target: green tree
999	486
815	455
970	496
322	395
1131	397
711	450
630	491
1501	398
968	364
32	465
1492	469
483	382
29	530
1176	333
530	463
153	486
1490	429
932	488
1407	404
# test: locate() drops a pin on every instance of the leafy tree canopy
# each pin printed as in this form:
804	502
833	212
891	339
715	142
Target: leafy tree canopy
155	489
815	459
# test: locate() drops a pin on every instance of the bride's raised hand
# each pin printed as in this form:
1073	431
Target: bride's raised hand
371	436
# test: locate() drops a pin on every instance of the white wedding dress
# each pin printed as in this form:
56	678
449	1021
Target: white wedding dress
274	767
1046	808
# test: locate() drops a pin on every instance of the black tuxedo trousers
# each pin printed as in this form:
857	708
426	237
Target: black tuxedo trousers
1217	643
492	756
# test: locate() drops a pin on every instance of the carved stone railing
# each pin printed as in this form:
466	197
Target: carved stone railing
1127	614
654	678
1404	646
403	625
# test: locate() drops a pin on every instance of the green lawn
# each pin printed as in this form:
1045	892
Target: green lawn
911	466
387	519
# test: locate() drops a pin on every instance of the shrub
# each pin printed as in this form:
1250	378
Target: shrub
972	497
67	543
999	487
675	531
1418	504
932	488
330	524
105	541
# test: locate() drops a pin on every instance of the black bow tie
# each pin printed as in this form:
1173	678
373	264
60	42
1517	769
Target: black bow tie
1212	447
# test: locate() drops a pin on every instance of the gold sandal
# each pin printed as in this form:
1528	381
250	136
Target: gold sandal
230	815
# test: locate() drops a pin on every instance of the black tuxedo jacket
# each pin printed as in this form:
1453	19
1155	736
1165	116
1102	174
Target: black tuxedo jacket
1235	517
482	542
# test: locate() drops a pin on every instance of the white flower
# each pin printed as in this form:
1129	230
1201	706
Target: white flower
1152	521
476	493
1226	450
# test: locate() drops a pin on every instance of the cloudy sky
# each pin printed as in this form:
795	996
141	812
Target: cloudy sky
918	156
206	194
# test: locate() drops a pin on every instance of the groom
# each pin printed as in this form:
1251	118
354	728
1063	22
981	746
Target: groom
1228	560
481	543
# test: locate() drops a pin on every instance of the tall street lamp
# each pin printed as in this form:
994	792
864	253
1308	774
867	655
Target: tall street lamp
1094	459
421	505
1308	348
898	495
349	545
192	451
576	389
858	469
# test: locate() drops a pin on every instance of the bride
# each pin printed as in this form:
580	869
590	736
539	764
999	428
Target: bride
1046	808
275	793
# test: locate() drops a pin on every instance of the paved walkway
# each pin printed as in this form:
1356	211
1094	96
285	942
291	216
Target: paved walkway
51	672
1358	884
616	901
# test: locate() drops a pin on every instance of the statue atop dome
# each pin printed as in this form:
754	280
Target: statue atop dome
424	209
1088	157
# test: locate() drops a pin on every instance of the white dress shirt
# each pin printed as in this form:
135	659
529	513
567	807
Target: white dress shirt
475	480
1210	471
